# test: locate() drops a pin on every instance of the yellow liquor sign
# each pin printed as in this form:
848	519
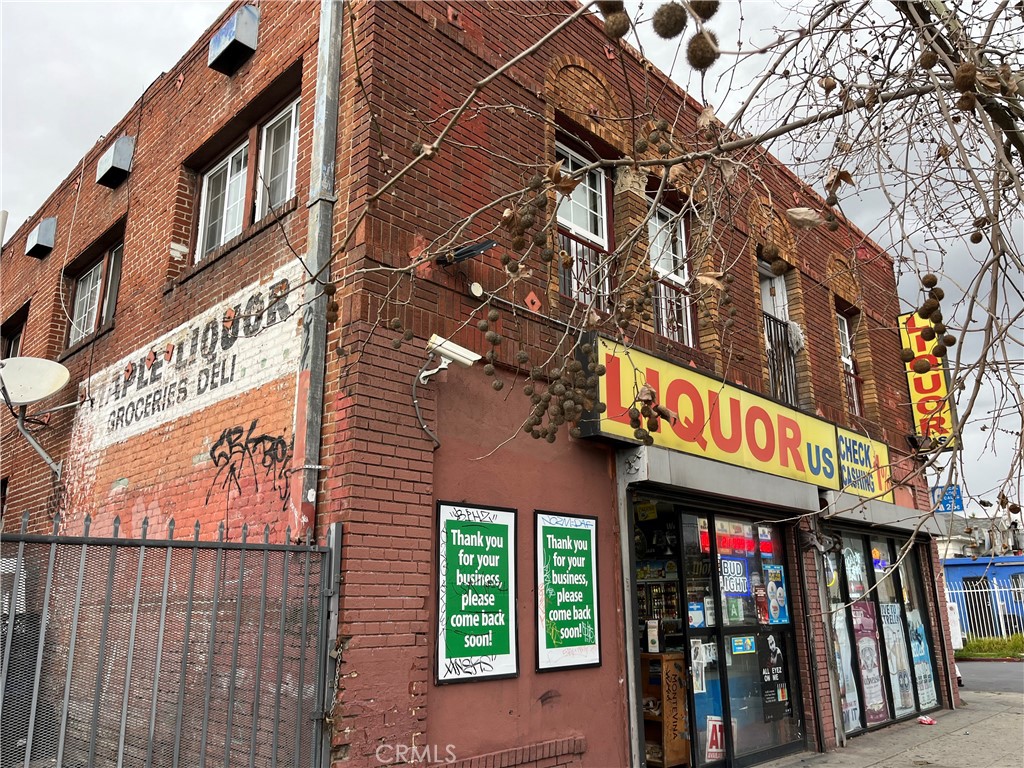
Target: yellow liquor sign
929	392
718	421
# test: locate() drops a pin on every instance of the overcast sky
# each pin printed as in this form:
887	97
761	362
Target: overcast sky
70	70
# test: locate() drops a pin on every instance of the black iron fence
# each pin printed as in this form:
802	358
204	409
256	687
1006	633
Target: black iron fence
136	652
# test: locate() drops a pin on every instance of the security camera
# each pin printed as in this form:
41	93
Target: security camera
451	352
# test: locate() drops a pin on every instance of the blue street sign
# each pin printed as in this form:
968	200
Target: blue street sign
950	501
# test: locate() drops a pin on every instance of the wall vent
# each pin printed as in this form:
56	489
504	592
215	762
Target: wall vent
235	42
41	239
116	163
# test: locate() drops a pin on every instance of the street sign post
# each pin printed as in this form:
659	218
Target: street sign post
947	498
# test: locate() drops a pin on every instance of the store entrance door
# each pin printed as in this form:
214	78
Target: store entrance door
715	590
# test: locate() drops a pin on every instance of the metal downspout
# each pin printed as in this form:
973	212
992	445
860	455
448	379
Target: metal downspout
309	394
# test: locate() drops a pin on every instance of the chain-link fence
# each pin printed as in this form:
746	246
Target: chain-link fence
121	652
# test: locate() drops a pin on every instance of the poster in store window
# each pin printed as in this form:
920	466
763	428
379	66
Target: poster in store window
778	600
774	689
922	660
476	595
865	630
900	679
568	633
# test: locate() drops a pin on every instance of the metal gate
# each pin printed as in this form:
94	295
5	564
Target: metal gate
136	652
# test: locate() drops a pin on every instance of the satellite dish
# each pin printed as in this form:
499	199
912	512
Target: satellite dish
28	380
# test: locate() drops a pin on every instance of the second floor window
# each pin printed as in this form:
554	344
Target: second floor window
279	145
95	295
777	335
583	232
224	199
11	334
848	358
233	194
666	237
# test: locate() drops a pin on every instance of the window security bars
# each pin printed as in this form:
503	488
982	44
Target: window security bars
854	403
781	360
585	269
672	311
137	652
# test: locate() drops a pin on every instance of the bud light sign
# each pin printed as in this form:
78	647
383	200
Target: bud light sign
733	574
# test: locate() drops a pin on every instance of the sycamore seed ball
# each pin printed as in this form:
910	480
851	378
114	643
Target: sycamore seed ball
608	7
967	102
669	20
922	366
907	355
928	60
704	9
616	25
929	280
963	77
702	50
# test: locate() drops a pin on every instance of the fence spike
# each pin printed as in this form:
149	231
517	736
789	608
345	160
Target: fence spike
196	529
170	529
288	535
309	538
245	531
220	531
24	522
86	524
117	526
266	533
56	523
145	526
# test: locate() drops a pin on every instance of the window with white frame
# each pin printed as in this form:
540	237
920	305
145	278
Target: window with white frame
234	195
583	224
848	359
95	295
666	237
223	199
279	144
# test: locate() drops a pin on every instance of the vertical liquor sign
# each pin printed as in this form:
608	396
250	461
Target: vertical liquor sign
476	594
568	632
930	399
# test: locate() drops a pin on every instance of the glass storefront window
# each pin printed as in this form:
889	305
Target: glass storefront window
845	662
866	634
882	646
916	616
759	667
750	573
891	609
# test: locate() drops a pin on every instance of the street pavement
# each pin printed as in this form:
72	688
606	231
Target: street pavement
987	731
1004	676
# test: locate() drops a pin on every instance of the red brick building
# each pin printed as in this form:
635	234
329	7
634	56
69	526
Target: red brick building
228	373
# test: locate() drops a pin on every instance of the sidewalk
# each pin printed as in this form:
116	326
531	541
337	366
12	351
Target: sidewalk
986	732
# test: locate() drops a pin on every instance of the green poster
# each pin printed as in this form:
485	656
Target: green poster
476	593
567	620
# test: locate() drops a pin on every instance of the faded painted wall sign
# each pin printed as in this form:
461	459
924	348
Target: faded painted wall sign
243	342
